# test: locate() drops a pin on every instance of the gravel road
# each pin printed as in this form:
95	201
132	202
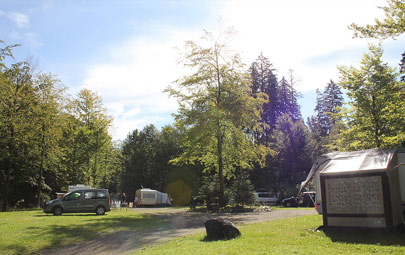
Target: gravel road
181	223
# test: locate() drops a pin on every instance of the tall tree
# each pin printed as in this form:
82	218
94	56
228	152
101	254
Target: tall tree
264	80
293	156
376	115
288	98
393	24
48	129
215	109
402	67
86	132
328	104
18	101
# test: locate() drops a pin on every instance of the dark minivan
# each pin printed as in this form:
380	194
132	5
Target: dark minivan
80	201
306	199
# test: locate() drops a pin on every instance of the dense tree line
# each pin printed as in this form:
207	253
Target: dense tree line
49	140
237	128
372	117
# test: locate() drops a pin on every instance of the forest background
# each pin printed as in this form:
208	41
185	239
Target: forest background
239	127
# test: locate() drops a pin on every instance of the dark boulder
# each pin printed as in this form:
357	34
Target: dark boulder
220	229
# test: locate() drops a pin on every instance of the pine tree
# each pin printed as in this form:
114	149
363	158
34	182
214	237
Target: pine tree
293	156
288	99
264	80
328	104
402	67
242	190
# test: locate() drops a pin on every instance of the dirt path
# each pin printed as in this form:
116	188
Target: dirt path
181	223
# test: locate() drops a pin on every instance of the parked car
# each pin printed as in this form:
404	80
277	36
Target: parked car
305	199
265	198
80	201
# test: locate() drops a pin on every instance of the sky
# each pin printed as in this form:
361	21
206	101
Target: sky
127	51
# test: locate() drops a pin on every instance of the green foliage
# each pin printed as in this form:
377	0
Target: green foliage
393	24
402	67
376	116
90	145
322	124
146	155
283	101
293	158
47	144
209	192
216	109
17	114
242	190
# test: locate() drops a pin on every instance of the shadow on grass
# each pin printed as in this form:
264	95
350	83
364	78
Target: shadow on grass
15	249
207	239
65	215
366	236
65	235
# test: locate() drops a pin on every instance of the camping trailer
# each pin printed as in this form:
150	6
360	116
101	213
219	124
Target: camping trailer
360	188
152	197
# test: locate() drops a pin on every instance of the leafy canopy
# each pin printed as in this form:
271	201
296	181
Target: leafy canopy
376	116
217	112
393	24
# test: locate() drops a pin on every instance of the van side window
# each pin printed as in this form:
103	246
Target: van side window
74	196
89	194
101	194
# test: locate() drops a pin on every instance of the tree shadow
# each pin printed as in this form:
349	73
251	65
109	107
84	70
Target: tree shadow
89	229
15	249
67	215
384	237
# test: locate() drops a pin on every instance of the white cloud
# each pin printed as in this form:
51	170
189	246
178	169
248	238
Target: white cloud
310	37
132	83
291	33
21	20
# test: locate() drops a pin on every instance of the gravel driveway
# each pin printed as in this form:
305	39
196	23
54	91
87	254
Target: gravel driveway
181	223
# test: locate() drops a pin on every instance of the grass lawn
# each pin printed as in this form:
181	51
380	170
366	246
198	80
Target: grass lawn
25	232
289	236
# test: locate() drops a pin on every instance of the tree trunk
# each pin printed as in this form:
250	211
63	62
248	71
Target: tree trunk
41	167
7	186
221	171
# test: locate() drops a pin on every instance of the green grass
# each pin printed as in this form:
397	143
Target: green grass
25	232
289	236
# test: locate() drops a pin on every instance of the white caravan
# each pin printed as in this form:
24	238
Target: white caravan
151	197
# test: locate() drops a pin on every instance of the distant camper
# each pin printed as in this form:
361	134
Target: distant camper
151	197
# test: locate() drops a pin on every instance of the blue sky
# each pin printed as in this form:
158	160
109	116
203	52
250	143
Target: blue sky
126	50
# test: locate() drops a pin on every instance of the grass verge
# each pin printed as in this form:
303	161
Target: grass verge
24	232
289	236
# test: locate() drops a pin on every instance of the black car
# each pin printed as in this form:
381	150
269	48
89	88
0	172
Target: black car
305	199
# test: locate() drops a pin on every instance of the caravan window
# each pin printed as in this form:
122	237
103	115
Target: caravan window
148	195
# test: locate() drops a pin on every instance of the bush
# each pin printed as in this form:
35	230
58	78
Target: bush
242	191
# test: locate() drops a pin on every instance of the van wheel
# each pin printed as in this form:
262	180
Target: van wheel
100	210
289	204
57	211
